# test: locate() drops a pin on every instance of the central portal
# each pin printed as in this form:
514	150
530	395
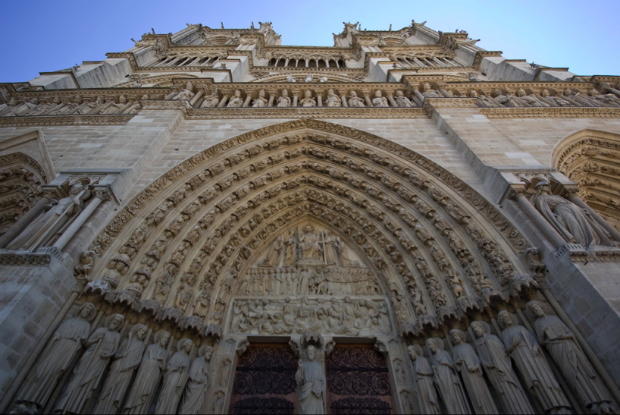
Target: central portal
357	381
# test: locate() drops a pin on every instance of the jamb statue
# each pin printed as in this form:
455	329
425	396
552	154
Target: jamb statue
311	379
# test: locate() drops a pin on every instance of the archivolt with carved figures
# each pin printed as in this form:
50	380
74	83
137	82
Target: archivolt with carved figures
183	244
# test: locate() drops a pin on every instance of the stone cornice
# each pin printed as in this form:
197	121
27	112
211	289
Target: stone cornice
299	112
552	112
52	120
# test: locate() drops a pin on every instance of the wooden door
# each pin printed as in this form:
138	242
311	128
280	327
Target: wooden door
265	381
358	381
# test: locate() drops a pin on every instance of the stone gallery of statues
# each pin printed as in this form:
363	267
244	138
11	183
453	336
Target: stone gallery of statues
402	222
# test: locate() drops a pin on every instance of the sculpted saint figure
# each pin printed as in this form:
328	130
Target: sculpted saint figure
275	253
332	99
100	347
236	100
341	254
573	223
529	100
428	92
505	100
290	253
380	101
308	101
174	379
328	246
284	100
522	346
468	364
311	379
310	248
57	218
126	360
402	100
555	100
573	363
446	379
196	390
211	100
186	93
149	374
355	101
261	101
57	357
498	368
423	378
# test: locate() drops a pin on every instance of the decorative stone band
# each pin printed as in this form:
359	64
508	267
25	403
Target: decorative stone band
552	112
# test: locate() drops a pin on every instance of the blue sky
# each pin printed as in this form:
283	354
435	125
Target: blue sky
40	36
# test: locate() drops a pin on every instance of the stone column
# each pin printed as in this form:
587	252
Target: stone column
419	95
24	221
319	100
577	200
248	98
555	238
196	98
295	98
222	103
272	97
100	196
391	100
344	100
367	98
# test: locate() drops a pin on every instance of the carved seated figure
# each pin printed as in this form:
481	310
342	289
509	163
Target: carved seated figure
355	101
428	92
211	100
380	101
261	101
555	100
505	100
332	99
308	101
529	100
609	100
402	100
186	94
236	101
284	100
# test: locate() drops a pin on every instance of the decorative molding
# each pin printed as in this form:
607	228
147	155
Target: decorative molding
54	120
552	112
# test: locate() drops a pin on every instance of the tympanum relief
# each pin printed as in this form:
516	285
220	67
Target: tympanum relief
308	278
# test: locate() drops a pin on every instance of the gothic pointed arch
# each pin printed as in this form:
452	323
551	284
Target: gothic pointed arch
370	225
21	181
592	159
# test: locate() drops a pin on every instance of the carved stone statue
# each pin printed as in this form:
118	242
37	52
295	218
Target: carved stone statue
529	100
555	100
468	364
310	247
196	390
308	101
56	357
100	347
498	368
290	252
428	92
446	379
211	100
274	255
423	378
174	379
261	101
236	101
380	101
402	100
355	101
55	220
185	94
284	100
522	346
311	380
573	363
149	375
573	223
332	99
126	360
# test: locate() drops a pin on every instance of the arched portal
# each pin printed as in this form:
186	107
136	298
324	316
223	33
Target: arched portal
592	159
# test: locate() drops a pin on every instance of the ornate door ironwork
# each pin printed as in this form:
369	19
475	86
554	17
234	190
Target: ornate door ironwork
265	381
358	381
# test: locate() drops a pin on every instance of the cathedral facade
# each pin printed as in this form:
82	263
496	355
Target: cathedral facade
211	222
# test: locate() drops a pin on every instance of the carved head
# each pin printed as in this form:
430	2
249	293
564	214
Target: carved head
185	345
435	344
593	92
535	308
311	353
505	318
308	94
261	93
140	330
426	86
496	92
378	94
567	92
35	101
284	93
86	310
206	352
400	93
412	352
162	337
115	321
545	93
479	328
330	92
521	92
543	187
473	94
237	93
122	99
457	336
352	94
